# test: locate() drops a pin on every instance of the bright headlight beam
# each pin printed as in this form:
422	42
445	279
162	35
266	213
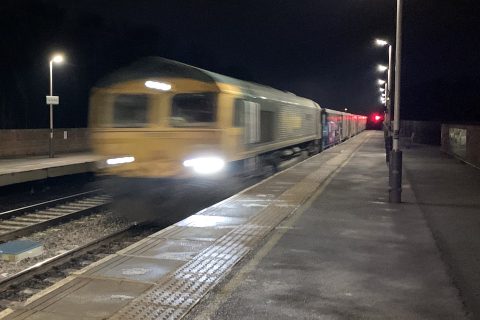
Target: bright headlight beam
205	165
121	160
158	85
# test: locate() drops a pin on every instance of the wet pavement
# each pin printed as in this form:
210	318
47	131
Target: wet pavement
448	193
348	255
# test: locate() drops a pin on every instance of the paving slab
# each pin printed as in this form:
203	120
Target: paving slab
167	249
133	268
72	301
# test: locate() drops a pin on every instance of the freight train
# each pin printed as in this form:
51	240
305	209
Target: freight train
162	121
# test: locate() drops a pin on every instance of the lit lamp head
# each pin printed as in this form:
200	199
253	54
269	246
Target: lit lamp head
380	42
58	58
382	68
381	82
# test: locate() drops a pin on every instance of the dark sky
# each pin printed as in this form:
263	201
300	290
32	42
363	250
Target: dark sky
319	49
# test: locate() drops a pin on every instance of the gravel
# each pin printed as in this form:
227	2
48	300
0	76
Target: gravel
64	237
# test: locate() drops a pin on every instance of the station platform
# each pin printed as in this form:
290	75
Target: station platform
26	169
316	241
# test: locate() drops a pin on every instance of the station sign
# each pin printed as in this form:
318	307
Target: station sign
53	99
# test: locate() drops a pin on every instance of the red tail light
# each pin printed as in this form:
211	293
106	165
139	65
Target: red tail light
376	118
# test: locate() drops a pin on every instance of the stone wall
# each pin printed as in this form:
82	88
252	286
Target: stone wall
33	142
462	141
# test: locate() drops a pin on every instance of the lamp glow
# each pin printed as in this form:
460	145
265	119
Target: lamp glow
382	68
158	85
205	165
381	89
381	82
380	42
58	58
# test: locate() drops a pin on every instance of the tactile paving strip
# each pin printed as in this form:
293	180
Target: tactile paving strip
179	292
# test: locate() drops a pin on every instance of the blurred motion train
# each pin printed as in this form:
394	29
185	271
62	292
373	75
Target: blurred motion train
159	119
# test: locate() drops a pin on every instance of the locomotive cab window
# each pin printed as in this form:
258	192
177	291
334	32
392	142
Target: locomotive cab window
130	111
193	109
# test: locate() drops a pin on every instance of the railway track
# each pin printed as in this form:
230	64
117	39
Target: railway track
19	222
20	286
46	265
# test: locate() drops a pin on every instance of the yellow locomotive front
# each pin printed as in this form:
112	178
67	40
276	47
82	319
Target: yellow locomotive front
158	127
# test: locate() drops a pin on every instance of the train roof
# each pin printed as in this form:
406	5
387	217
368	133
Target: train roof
157	67
333	111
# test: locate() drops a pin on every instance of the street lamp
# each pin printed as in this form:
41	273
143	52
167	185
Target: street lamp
58	58
381	82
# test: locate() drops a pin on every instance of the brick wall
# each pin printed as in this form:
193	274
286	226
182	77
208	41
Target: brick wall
462	141
32	142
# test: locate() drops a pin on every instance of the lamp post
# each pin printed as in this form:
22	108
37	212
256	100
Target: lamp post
395	192
388	118
57	59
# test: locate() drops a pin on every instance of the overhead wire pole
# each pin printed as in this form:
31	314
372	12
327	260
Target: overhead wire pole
395	168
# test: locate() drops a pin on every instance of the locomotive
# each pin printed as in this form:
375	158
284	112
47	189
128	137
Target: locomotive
162	122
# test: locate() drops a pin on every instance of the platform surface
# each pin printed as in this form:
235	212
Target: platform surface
41	167
316	241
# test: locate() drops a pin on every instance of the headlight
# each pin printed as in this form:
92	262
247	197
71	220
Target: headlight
121	160
205	165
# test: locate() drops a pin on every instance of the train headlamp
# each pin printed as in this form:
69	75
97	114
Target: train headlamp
114	161
205	165
158	85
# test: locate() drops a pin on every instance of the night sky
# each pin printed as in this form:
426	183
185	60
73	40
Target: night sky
320	49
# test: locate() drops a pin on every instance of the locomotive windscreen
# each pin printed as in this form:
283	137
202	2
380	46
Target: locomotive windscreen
130	111
193	109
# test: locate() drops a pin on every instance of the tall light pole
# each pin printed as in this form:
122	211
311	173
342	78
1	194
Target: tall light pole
57	59
395	192
382	43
